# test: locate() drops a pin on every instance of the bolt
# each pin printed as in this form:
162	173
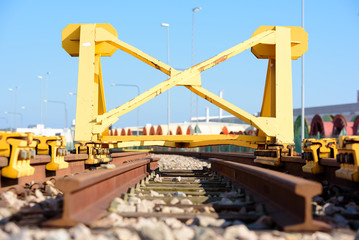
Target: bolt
32	154
22	155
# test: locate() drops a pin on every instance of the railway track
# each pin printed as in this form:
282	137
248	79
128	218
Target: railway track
87	195
291	165
227	193
286	198
187	194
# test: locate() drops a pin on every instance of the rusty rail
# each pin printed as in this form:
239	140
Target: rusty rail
76	165
288	199
87	196
291	165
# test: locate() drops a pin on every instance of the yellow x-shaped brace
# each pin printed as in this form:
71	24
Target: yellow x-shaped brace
189	78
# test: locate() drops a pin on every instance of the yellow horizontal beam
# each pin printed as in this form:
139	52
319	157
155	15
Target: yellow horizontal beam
222	142
183	138
140	143
188	141
136	150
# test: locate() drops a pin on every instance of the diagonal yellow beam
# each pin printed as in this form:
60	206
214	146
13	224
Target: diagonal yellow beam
264	37
103	35
265	124
107	119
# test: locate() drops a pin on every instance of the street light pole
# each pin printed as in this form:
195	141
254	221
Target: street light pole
46	94
7	122
60	102
303	113
168	91
11	117
14	90
16	113
40	77
194	10
138	93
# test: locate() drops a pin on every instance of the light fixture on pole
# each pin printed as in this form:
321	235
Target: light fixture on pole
168	91
194	10
138	108
40	77
59	102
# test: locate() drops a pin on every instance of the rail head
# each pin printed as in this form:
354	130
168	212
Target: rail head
75	183
287	198
88	195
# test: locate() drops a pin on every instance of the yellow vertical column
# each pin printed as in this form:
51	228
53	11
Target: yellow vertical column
100	104
85	86
269	96
283	76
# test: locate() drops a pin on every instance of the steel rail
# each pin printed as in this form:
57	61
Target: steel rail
290	165
76	165
87	196
288	199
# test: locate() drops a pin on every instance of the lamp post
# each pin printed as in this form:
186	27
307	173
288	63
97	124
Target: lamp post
138	93
14	90
16	113
194	10
303	113
46	94
168	91
40	77
7	122
59	102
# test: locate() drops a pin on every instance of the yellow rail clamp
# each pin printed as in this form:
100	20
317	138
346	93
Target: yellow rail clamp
271	154
348	154
20	149
98	154
81	148
55	147
316	149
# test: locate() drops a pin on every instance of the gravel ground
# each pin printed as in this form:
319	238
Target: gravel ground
180	162
338	207
45	197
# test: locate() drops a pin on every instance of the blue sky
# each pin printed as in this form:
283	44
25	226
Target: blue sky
30	45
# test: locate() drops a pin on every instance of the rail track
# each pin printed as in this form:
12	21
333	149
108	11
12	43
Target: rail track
232	189
291	165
